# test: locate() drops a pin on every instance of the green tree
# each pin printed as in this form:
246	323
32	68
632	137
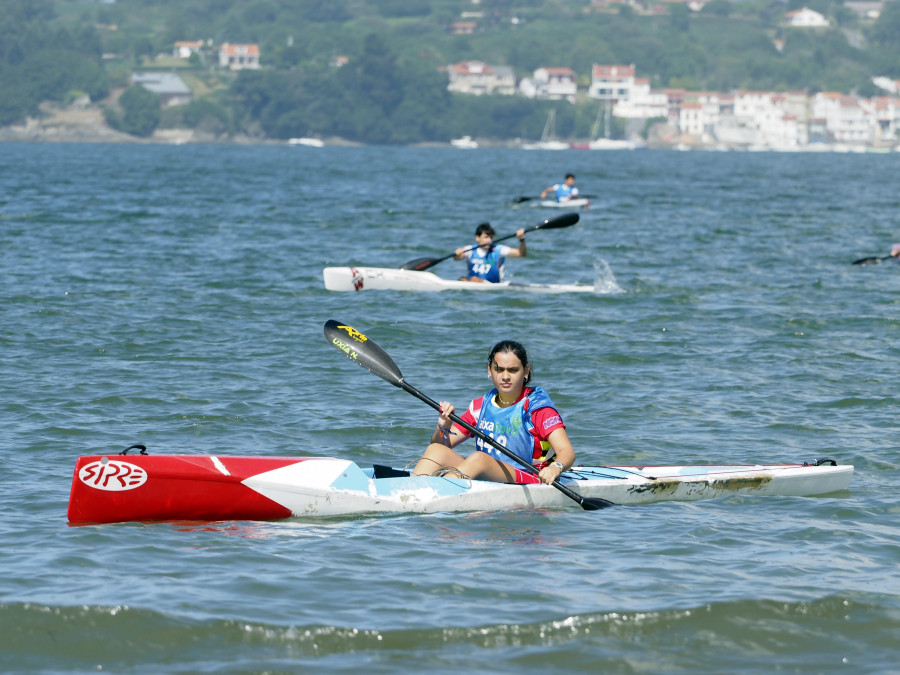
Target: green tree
140	111
718	7
885	37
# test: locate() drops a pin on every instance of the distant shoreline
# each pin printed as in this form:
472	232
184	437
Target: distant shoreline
86	124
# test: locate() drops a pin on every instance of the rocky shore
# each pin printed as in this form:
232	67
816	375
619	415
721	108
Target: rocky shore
85	123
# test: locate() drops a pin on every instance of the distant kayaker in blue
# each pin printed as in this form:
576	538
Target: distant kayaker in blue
563	191
521	418
486	262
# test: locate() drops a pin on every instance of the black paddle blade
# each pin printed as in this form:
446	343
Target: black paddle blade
872	260
595	503
565	220
360	349
519	200
420	264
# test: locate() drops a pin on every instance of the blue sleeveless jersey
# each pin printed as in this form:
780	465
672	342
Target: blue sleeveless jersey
511	427
487	265
564	192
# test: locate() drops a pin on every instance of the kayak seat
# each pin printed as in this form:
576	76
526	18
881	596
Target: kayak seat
382	471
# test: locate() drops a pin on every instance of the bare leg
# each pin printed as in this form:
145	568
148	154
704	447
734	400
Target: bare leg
437	456
478	465
484	467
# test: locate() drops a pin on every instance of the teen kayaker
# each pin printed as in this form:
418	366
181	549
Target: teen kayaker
563	191
521	418
486	262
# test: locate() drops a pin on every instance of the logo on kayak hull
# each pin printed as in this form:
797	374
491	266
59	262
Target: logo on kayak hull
112	475
357	279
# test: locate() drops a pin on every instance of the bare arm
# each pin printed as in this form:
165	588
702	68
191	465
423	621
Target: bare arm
444	433
559	441
522	251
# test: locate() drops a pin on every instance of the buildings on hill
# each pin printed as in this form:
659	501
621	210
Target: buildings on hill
782	120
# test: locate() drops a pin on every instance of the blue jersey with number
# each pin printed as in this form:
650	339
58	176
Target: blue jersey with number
487	264
512	427
564	192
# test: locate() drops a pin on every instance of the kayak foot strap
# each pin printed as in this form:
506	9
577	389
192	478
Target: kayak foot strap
821	462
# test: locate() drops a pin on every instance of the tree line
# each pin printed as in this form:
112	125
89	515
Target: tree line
391	89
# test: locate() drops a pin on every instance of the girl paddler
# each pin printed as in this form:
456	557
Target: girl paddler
521	418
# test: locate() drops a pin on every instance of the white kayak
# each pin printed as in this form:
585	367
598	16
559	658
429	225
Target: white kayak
569	204
117	488
390	279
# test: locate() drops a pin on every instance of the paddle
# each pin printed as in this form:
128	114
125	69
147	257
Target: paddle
565	220
362	350
519	200
871	260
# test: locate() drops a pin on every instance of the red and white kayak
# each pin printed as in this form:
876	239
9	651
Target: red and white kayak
120	488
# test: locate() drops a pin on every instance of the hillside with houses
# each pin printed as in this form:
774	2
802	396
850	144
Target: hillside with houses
785	77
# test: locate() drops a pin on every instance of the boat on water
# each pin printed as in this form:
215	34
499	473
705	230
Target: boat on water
140	487
579	203
548	141
390	279
309	142
612	144
466	143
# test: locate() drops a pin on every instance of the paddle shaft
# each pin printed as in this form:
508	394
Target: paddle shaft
421	264
565	220
519	200
403	384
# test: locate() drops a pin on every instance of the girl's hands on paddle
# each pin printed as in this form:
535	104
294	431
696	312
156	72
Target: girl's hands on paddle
549	474
442	433
447	409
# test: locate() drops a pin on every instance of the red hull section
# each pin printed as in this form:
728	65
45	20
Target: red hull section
116	488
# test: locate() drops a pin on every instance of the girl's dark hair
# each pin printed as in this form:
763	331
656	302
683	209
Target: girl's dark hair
516	348
484	228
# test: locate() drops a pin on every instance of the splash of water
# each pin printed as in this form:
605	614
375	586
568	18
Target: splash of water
604	279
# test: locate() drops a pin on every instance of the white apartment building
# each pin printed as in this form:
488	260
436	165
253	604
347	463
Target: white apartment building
476	78
557	84
239	57
845	119
691	120
884	116
642	102
611	83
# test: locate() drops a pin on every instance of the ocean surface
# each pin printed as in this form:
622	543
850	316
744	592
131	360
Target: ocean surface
173	296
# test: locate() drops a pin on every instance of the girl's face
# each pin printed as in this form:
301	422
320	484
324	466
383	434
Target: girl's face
507	374
484	239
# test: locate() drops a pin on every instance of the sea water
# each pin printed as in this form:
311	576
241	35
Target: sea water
173	296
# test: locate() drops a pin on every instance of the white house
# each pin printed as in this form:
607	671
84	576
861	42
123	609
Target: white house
845	119
475	77
691	119
239	57
557	84
611	83
884	112
805	18
643	102
185	48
